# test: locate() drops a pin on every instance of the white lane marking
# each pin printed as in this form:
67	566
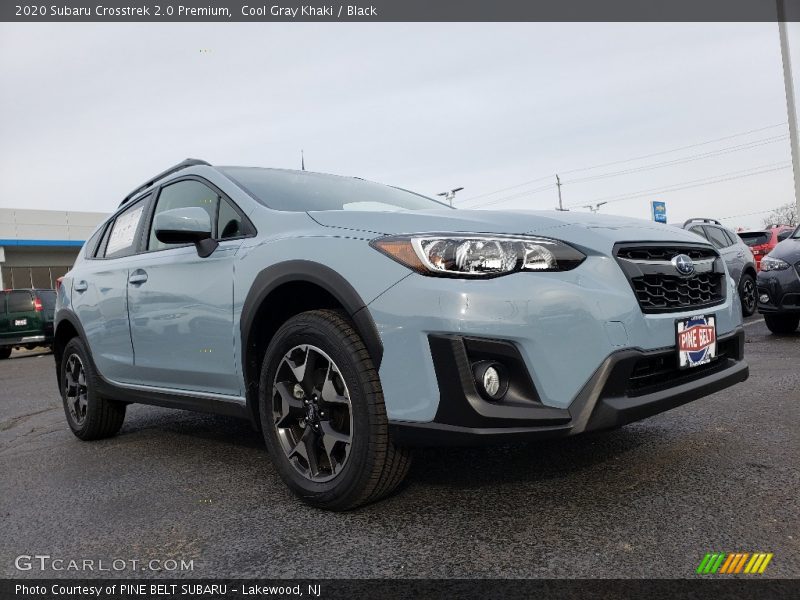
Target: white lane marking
753	322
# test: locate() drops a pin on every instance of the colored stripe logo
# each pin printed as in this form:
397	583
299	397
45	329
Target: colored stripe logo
734	563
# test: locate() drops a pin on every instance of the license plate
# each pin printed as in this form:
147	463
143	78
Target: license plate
696	341
18	322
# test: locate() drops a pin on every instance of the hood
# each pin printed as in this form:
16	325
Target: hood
589	230
788	250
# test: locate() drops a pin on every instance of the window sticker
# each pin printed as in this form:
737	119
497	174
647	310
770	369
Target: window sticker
124	231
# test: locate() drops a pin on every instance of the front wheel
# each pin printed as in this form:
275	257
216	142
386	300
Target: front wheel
747	293
322	414
782	324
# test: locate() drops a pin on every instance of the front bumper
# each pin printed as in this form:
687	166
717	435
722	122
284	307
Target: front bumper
629	385
783	289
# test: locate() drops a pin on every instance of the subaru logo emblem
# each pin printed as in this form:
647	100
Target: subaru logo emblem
683	264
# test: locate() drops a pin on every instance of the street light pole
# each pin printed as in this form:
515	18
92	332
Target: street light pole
450	195
790	101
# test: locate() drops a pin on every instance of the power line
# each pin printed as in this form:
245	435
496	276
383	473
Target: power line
691	184
627	160
721	139
513	196
678	161
750	214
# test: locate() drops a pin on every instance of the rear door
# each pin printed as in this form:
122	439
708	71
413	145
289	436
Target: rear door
181	305
99	294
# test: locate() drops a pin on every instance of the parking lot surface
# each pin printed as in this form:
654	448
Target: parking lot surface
647	500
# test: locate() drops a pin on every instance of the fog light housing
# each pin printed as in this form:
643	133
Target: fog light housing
763	298
491	379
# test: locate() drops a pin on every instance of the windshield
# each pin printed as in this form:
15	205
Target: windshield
755	238
300	191
796	234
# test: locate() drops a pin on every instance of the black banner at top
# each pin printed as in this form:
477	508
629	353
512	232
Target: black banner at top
398	10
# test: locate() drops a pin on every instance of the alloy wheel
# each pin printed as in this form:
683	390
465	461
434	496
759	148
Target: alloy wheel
312	413
76	392
749	295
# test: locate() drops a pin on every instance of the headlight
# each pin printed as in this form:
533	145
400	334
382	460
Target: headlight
474	255
768	263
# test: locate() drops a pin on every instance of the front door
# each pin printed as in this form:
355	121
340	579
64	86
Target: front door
181	305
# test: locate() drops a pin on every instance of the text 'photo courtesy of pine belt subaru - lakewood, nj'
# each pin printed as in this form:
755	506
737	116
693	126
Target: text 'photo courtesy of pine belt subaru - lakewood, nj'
351	321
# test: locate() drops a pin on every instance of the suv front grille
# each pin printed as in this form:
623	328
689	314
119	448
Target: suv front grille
660	288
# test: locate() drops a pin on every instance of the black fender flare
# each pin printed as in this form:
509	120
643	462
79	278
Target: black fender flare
306	271
66	314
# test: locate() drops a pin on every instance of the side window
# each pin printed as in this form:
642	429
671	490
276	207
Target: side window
229	222
122	232
732	237
183	194
717	237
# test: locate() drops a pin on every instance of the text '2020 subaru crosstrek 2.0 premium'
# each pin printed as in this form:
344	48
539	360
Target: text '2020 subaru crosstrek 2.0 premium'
349	320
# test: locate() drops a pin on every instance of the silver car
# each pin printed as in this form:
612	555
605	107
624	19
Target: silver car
737	256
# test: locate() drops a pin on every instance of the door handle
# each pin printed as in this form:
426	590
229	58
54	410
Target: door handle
137	277
81	286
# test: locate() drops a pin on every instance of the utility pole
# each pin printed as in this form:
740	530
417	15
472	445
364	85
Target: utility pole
790	101
558	183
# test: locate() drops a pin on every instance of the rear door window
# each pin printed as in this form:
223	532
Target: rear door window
123	232
19	301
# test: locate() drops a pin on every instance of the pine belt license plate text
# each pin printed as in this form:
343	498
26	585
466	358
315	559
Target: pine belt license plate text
20	322
697	341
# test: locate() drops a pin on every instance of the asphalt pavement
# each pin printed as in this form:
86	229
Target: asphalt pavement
647	500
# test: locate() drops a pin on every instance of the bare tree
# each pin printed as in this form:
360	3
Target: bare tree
783	215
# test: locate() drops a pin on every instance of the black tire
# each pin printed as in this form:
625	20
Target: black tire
5	353
748	294
374	466
97	417
782	324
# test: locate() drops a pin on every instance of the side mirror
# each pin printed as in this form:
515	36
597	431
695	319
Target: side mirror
190	225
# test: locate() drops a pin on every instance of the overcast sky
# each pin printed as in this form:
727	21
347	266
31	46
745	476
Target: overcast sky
89	111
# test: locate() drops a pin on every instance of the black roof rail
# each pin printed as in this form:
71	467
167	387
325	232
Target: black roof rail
189	162
701	220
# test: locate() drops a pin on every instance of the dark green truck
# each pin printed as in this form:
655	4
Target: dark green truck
26	319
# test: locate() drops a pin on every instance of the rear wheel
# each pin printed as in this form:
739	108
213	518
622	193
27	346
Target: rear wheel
89	415
5	353
747	293
323	416
782	324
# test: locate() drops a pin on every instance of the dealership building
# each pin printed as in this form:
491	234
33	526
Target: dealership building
38	246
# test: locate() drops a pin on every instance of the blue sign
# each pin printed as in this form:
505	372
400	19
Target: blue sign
659	211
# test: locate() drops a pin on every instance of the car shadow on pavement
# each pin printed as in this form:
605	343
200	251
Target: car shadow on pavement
550	459
454	467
